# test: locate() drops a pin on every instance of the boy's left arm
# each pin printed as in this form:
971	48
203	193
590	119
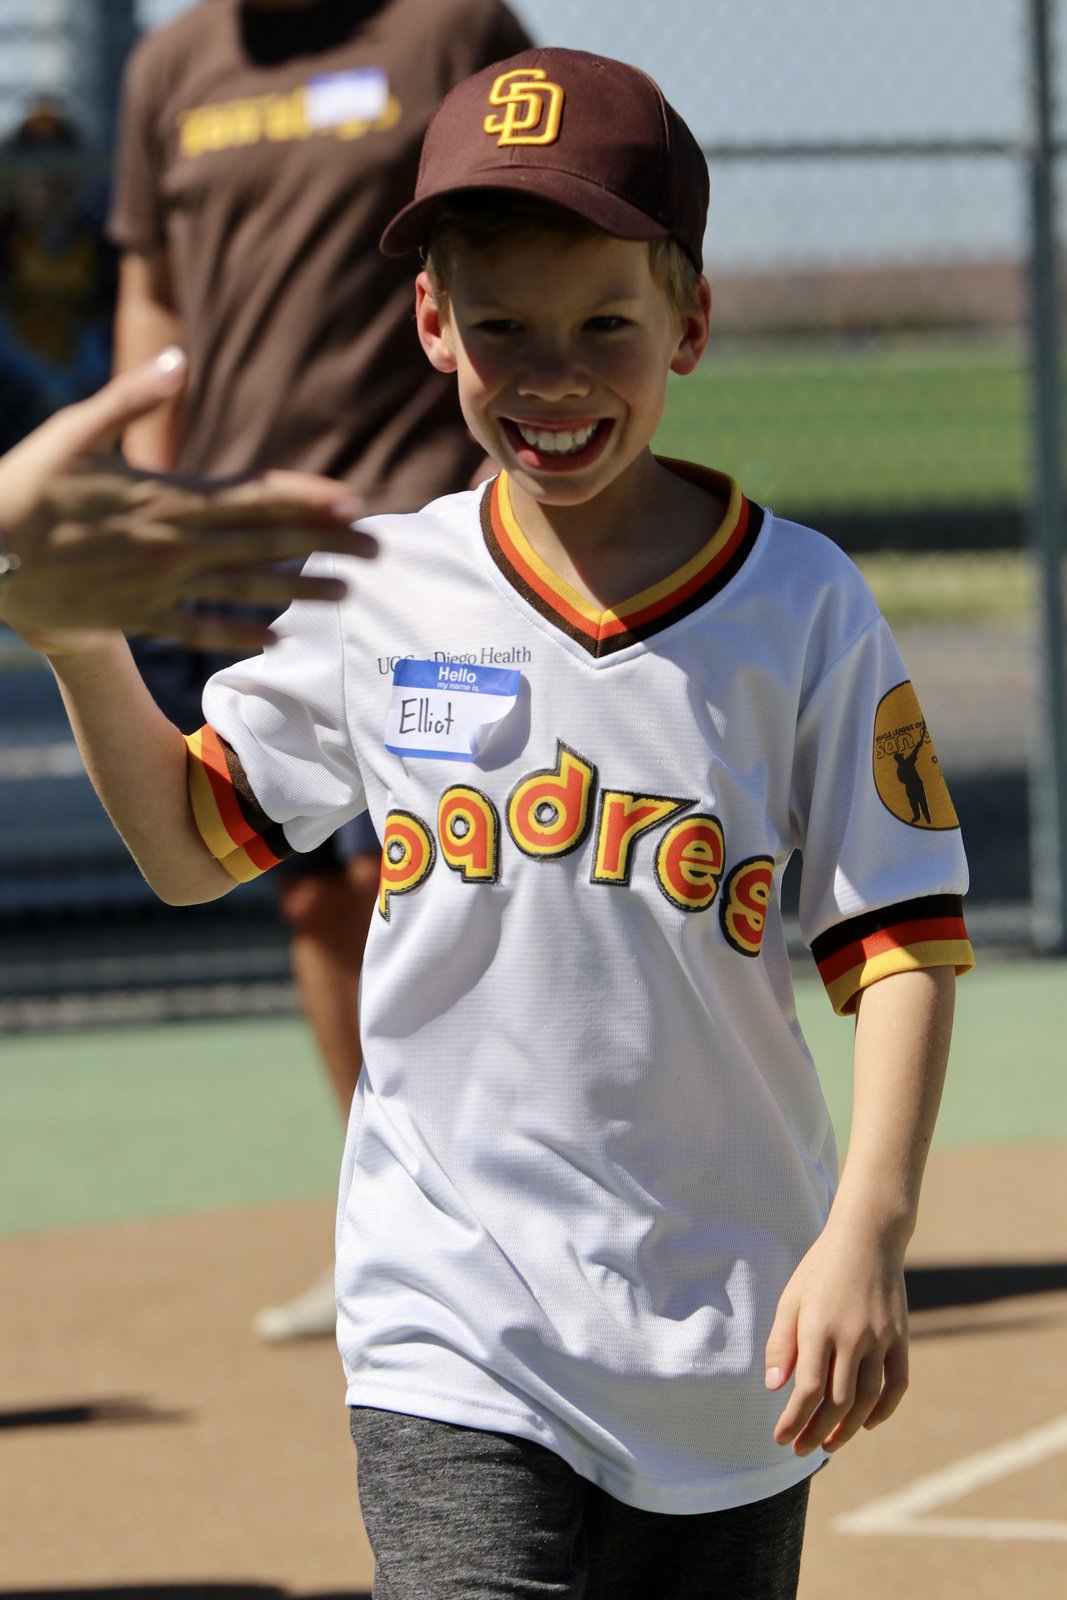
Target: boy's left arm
841	1329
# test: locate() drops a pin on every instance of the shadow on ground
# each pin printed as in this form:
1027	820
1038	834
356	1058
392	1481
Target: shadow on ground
939	1288
109	1413
178	1591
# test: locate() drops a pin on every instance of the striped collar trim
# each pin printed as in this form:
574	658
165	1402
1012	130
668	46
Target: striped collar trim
604	633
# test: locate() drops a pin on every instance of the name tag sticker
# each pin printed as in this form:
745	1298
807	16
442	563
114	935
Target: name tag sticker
334	98
445	710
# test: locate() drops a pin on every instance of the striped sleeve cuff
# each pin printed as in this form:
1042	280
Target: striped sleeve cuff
929	932
232	823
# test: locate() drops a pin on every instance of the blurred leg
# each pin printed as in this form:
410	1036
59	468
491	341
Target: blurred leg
327	924
327	902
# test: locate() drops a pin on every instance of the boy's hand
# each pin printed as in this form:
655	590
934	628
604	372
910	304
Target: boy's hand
103	547
841	1331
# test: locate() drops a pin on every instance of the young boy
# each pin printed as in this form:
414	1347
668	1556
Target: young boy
603	1306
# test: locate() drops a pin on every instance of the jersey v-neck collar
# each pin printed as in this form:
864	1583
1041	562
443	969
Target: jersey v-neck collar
603	633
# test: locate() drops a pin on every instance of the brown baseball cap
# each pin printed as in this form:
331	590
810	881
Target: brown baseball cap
589	134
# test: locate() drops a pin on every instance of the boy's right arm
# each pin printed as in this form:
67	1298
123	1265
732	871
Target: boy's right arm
137	761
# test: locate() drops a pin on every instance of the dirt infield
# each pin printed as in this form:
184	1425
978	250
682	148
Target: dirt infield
149	1442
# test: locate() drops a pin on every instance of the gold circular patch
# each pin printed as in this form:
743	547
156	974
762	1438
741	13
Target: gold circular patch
907	773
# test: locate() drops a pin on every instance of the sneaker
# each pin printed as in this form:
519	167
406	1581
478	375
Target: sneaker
310	1315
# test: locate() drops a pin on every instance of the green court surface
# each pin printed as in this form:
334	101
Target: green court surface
124	1124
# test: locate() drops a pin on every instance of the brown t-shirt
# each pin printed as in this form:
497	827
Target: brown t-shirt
265	151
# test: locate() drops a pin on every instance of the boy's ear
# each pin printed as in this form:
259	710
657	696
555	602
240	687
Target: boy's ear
696	326
434	325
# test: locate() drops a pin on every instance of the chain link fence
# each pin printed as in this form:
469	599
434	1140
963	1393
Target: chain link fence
884	365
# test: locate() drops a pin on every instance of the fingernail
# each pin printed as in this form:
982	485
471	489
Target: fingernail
772	1377
171	362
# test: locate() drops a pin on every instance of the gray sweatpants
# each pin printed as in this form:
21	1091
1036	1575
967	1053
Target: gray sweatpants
458	1514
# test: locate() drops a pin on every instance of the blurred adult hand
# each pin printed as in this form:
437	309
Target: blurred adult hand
98	545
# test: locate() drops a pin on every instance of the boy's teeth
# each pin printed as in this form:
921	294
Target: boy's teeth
556	442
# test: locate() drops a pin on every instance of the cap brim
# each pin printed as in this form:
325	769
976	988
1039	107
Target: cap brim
410	228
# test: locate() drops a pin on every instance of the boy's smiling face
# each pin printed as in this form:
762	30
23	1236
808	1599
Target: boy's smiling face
562	347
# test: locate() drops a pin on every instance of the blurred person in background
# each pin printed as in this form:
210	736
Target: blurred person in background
264	145
57	274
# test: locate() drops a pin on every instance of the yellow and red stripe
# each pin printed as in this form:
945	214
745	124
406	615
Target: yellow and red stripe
603	632
927	932
232	823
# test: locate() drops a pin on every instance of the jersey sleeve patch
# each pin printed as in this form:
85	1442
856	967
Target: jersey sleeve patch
926	932
907	773
232	823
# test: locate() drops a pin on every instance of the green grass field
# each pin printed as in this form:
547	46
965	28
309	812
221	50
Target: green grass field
952	585
875	425
880	426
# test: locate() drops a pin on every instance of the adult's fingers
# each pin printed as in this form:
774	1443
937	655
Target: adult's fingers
287	488
99	420
270	589
258	516
272	526
237	636
257	588
222	547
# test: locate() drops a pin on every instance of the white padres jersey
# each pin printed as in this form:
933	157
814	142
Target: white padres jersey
589	1145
